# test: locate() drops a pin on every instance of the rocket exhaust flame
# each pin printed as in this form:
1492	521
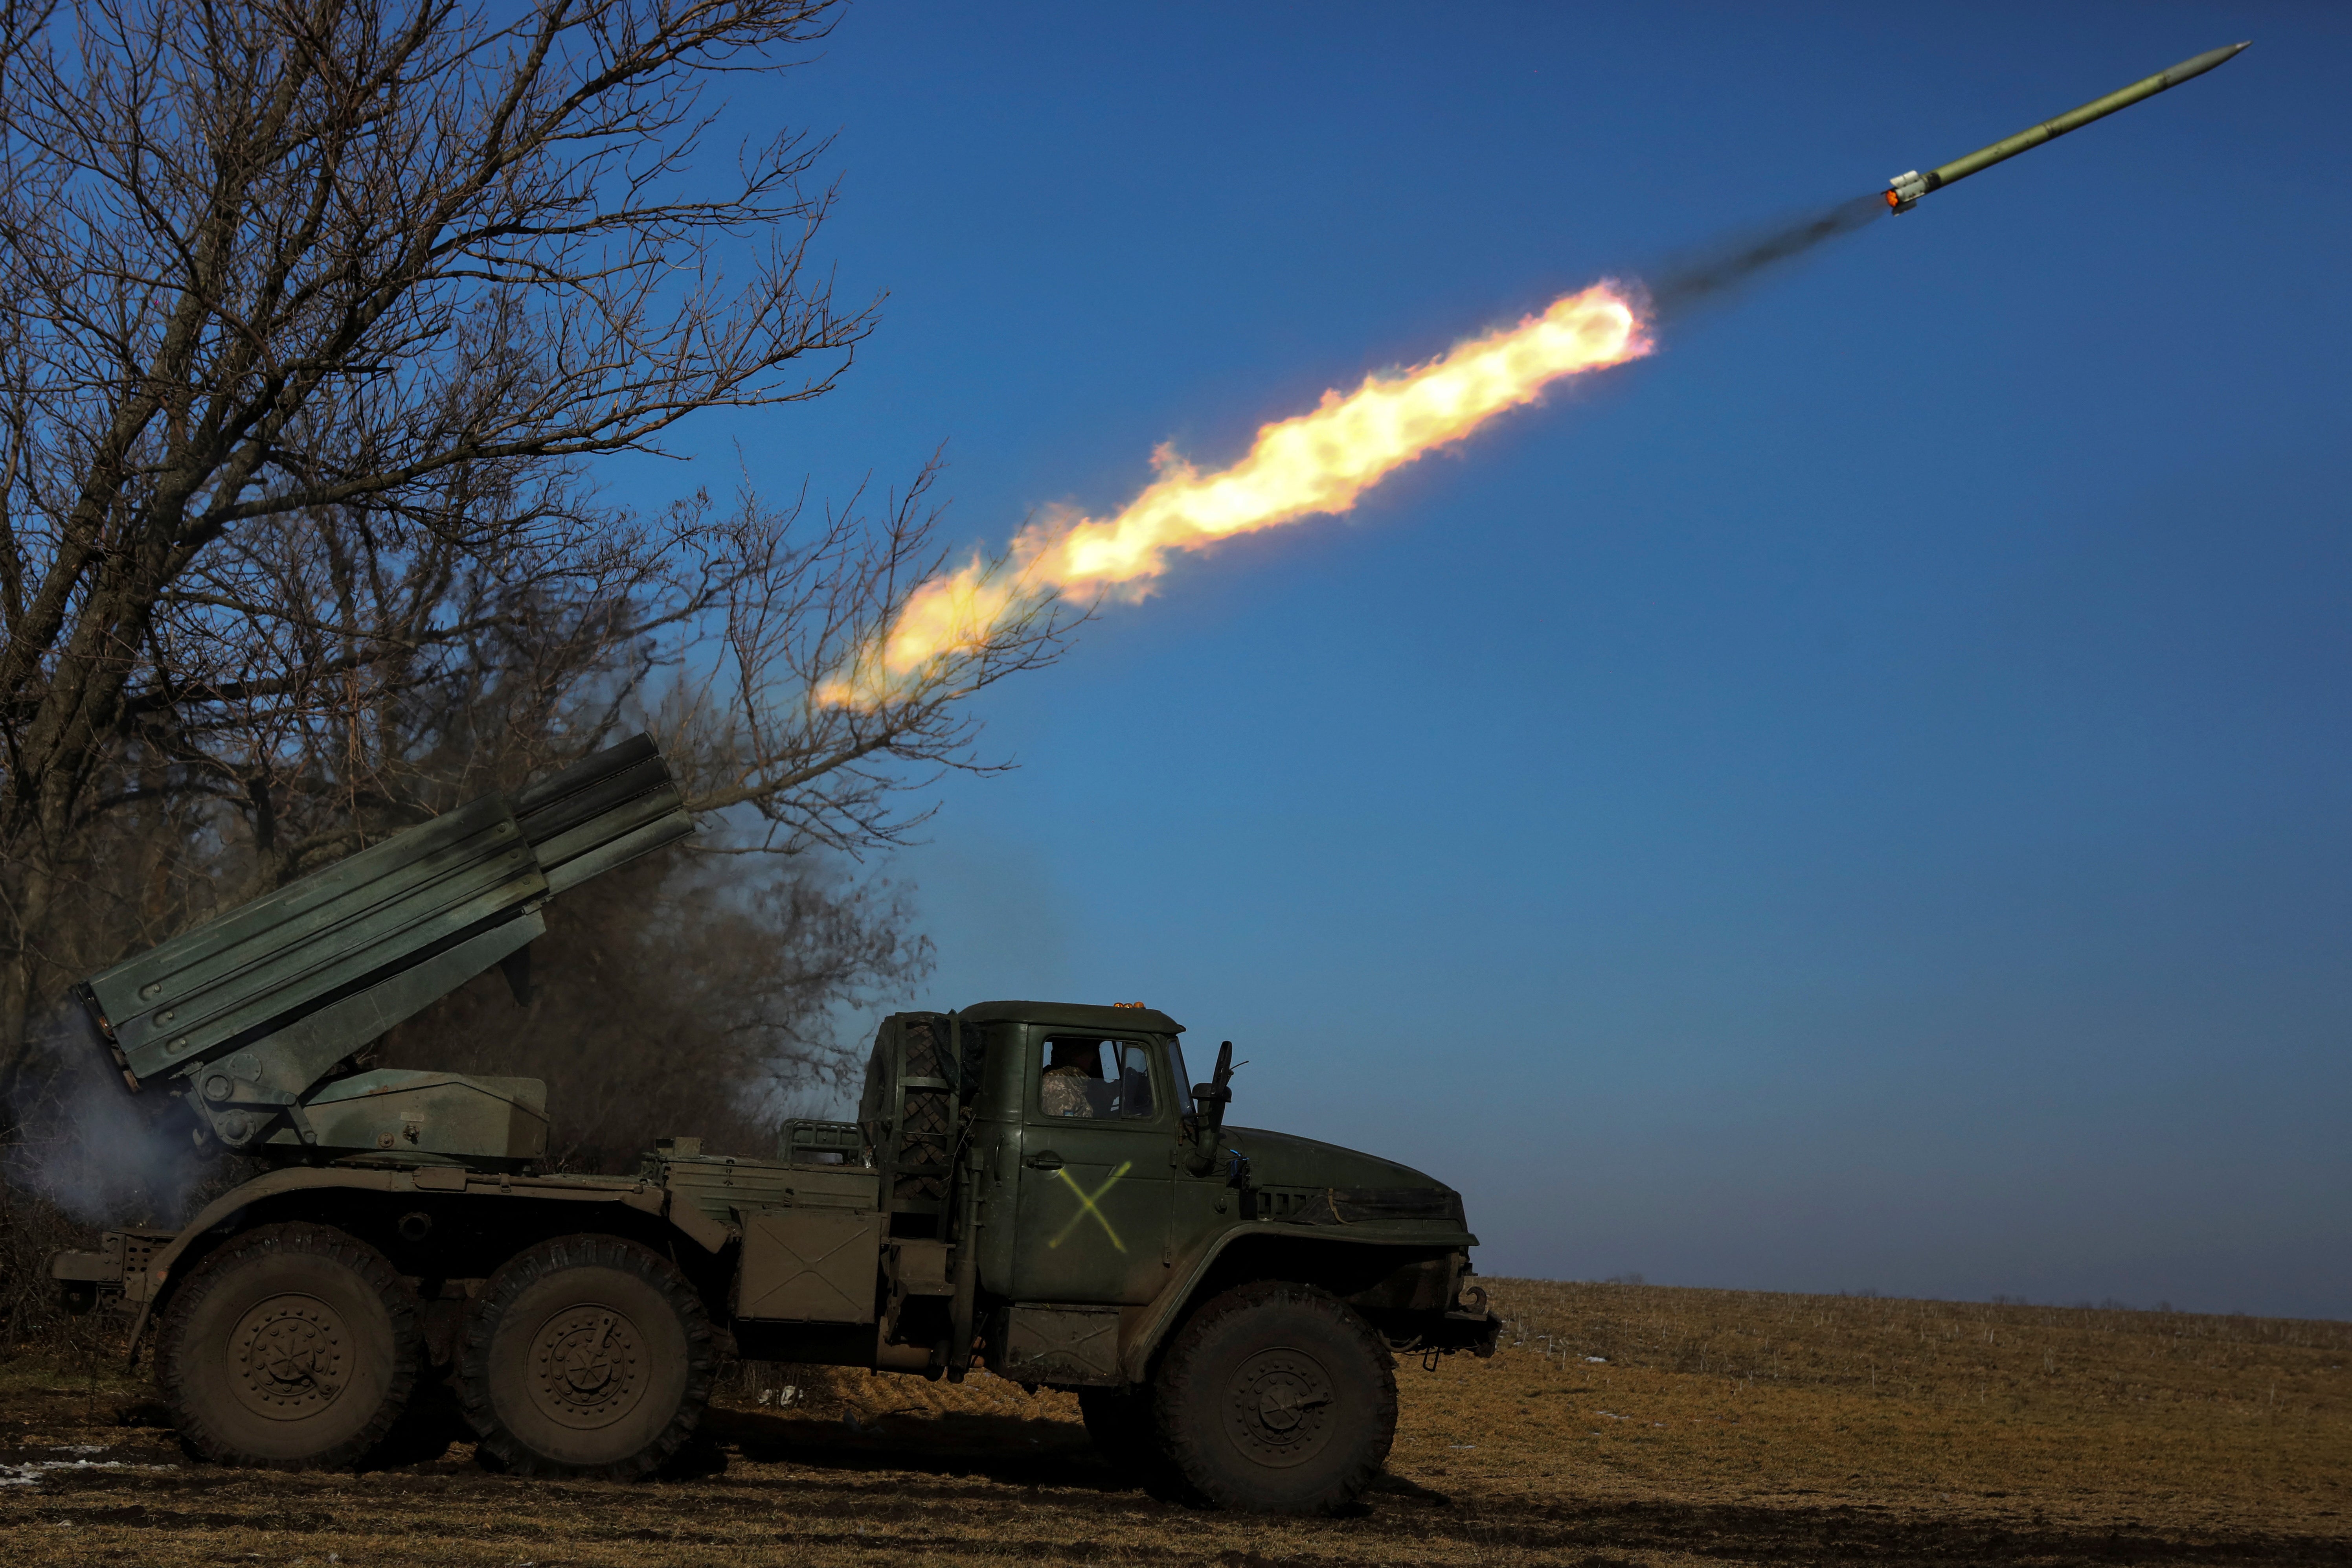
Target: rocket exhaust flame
1314	463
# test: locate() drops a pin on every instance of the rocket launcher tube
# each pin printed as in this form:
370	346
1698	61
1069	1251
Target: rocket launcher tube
249	1013
1904	191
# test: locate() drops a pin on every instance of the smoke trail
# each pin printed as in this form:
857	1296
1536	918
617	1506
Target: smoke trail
1714	272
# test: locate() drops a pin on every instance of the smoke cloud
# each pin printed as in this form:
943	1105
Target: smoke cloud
1714	273
89	1148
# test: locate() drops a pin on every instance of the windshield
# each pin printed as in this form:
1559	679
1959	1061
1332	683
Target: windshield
1183	1079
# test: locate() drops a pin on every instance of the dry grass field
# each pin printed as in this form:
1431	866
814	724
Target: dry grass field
1620	1425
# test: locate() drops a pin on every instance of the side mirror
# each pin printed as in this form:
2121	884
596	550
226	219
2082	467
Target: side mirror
1210	1099
1220	1089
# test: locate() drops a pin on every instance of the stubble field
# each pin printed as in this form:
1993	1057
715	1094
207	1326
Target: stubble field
1620	1424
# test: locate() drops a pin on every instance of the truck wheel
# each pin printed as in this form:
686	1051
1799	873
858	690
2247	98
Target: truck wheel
587	1356
293	1346
1278	1398
1119	1421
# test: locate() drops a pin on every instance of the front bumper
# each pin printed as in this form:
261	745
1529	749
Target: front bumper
1476	1329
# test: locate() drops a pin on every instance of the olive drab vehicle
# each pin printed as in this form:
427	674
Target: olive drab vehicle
1040	1189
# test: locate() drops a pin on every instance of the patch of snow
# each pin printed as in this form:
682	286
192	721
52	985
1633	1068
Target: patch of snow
39	1469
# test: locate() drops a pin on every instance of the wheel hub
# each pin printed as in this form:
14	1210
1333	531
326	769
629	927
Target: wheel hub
1279	1409
587	1366
289	1357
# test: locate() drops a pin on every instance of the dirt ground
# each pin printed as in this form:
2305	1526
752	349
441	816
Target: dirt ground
1620	1424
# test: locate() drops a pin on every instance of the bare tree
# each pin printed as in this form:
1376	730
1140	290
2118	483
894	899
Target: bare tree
689	995
313	311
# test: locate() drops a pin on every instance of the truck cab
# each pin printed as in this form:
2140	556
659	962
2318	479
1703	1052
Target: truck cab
1226	1301
1104	1192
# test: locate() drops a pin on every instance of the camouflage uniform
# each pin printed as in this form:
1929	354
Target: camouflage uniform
1063	1091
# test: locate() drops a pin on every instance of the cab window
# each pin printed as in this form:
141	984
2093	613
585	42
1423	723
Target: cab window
1093	1077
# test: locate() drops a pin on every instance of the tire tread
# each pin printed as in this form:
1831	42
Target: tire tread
500	1448
1183	1381
188	1416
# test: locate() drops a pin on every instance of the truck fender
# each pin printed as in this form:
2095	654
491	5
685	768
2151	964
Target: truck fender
1149	1326
228	1206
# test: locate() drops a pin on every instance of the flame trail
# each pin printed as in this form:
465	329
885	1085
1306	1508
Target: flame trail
1318	462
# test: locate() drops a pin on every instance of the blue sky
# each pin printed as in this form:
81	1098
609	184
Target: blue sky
1855	801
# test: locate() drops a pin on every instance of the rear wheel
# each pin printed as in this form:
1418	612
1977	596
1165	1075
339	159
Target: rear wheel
1278	1398
586	1356
294	1346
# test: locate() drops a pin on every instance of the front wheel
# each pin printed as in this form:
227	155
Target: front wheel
587	1356
1278	1398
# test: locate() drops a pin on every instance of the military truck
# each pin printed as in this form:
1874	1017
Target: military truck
1039	1189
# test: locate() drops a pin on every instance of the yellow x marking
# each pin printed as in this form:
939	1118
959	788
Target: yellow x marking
1087	1205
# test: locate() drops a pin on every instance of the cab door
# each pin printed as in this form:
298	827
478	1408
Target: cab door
1099	1121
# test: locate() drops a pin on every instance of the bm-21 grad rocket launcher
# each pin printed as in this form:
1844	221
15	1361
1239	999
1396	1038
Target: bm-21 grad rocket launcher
1039	1187
253	1020
1904	191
